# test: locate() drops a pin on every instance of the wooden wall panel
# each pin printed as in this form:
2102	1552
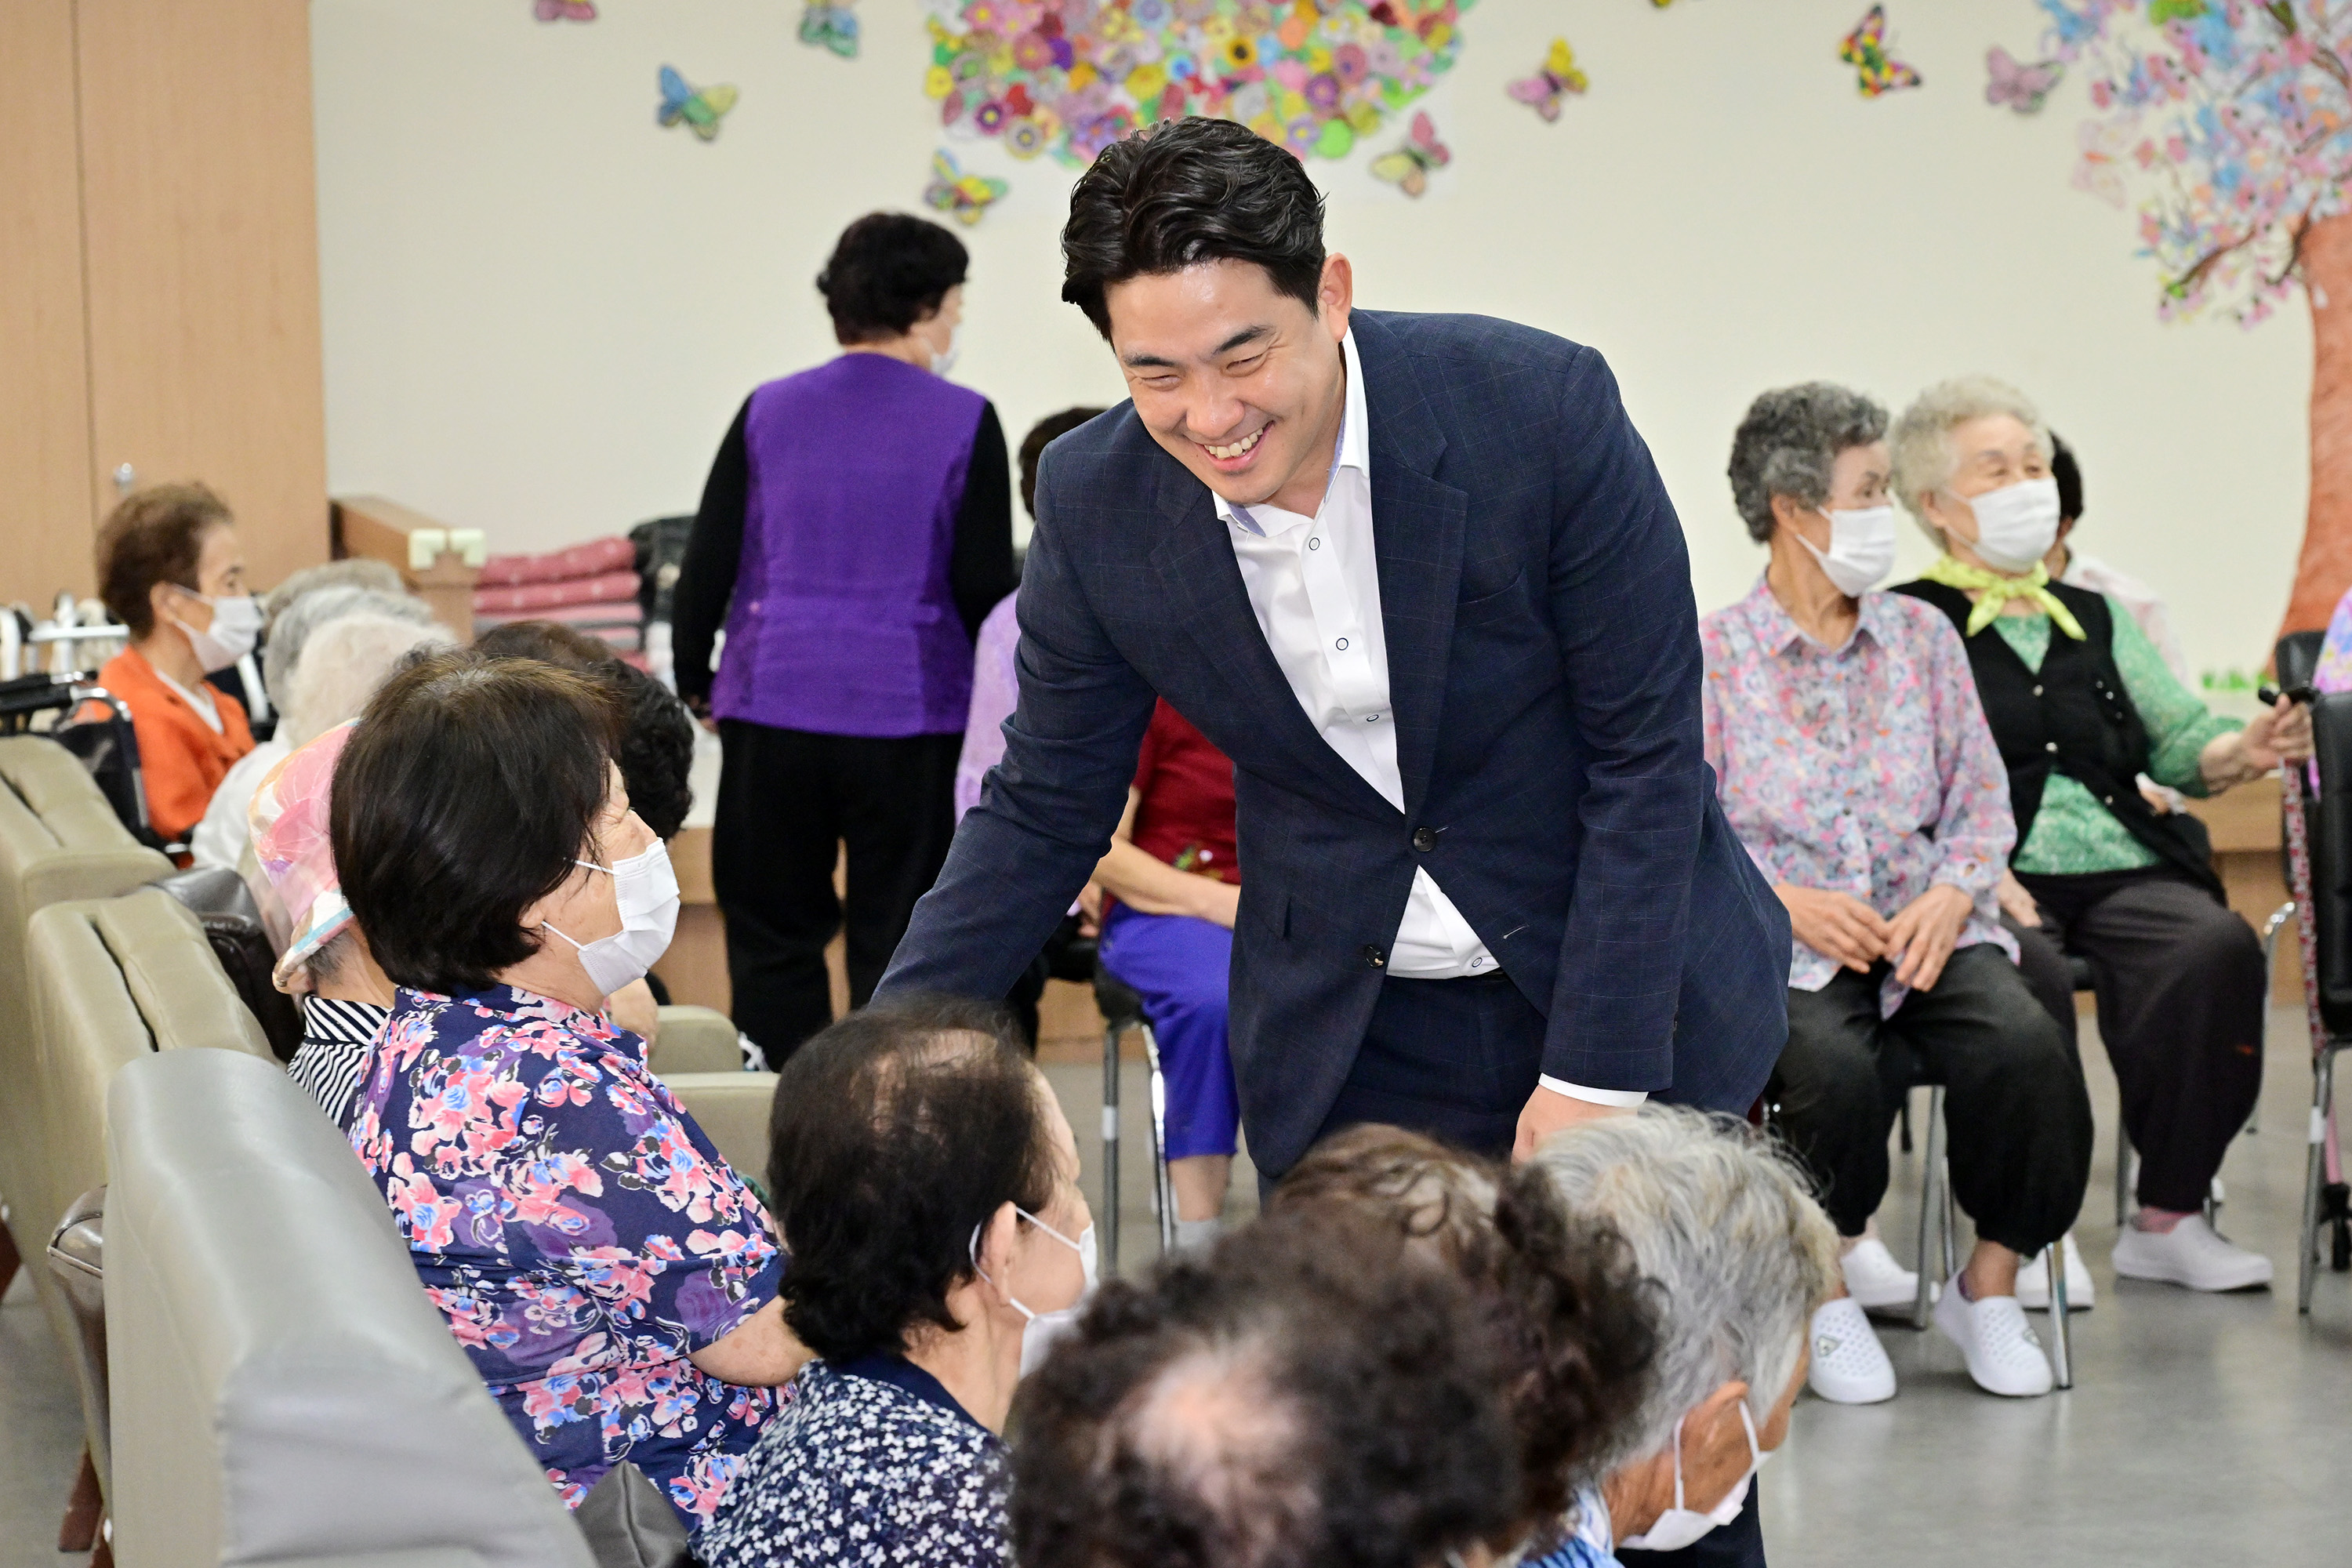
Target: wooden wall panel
201	227
44	451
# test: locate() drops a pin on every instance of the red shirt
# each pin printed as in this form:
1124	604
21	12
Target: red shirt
1185	814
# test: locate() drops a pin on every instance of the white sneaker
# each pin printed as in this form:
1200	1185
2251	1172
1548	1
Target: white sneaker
2003	1355
2033	1281
1850	1366
1874	1279
2189	1254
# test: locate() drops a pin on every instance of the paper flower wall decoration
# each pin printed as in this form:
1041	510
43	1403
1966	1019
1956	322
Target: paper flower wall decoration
967	196
1557	77
1876	72
831	27
699	109
1408	167
564	11
1070	77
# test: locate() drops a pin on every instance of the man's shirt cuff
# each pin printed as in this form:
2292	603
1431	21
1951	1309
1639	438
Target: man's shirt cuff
1620	1099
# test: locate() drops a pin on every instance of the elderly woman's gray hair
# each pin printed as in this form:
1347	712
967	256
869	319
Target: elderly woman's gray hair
344	663
1787	442
1726	1226
1922	443
358	572
296	624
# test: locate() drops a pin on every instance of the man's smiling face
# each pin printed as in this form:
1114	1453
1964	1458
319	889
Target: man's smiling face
1243	383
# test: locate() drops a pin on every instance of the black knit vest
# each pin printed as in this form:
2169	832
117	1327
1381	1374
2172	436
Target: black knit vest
2073	716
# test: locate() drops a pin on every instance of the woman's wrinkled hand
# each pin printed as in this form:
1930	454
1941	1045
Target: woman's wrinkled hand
1925	930
2016	902
1836	925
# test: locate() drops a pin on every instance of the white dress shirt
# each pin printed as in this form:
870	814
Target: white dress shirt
1315	586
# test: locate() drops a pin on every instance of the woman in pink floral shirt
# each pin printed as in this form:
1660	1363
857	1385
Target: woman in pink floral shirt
1854	762
613	1280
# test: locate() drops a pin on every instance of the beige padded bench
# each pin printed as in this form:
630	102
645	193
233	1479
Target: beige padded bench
283	1392
58	840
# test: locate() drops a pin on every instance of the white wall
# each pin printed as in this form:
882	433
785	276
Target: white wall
541	311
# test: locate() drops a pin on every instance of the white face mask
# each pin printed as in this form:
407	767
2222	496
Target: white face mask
236	623
1039	1330
2016	524
1861	548
944	362
1678	1527
645	890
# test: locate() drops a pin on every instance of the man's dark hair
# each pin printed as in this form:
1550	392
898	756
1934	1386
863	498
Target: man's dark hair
152	536
1188	191
1049	429
463	797
888	272
2069	475
1311	1391
1567	1288
896	1133
656	750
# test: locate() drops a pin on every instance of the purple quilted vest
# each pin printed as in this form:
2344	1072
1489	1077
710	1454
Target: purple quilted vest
843	622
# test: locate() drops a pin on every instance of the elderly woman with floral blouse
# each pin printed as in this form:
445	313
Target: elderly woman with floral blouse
614	1282
1855	765
2081	704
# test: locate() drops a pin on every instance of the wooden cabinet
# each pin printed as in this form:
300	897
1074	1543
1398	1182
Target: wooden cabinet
158	291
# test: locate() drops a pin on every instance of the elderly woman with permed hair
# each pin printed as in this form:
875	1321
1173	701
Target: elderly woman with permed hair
1854	762
2082	703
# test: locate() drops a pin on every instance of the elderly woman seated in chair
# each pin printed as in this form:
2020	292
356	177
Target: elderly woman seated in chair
1855	764
2081	704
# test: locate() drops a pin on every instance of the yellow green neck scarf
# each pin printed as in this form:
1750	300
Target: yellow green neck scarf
1999	590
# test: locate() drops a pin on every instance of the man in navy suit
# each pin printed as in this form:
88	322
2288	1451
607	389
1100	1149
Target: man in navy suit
1418	577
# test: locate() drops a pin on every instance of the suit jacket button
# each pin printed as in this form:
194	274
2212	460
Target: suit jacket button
1425	839
1373	957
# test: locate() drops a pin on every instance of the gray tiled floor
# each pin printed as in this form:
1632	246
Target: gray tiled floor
2201	1429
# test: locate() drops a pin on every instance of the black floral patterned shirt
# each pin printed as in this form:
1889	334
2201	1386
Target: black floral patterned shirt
873	1461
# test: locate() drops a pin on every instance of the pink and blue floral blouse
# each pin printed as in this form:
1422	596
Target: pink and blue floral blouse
578	1231
1866	769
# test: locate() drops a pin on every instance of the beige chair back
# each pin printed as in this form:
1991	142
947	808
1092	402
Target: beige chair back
58	840
731	1109
112	980
283	1391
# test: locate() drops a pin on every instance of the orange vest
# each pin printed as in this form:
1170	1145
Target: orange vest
181	760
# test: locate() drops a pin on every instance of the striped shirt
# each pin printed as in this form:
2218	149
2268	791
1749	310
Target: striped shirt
336	1035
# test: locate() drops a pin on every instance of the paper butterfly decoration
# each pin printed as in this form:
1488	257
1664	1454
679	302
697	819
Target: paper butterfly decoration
1555	77
2021	86
2099	171
1410	164
951	190
831	27
564	11
1865	49
699	108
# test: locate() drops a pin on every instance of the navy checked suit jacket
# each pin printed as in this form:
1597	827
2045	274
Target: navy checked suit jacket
1544	675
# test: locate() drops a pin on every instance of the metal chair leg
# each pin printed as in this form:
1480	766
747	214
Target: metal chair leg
1944	1187
2061	1337
2279	917
1928	1168
2323	1092
1109	1220
1161	1185
2123	1171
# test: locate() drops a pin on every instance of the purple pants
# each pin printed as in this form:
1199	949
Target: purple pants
1179	966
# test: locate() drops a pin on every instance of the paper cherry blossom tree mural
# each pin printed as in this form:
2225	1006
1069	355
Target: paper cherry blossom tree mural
2230	120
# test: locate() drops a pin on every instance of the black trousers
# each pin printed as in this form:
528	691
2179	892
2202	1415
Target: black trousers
787	800
2180	988
2018	1114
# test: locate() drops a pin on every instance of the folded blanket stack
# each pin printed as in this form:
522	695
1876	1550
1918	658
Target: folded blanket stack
592	586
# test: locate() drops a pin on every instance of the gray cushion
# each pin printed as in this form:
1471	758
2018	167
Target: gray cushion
282	1389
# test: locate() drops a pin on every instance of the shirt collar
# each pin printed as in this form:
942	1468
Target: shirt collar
899	1372
1355	447
1776	629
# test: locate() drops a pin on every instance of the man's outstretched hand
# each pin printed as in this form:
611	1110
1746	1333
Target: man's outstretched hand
1548	1112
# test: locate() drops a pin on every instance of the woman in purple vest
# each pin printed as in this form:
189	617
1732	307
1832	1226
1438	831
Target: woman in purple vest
856	527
